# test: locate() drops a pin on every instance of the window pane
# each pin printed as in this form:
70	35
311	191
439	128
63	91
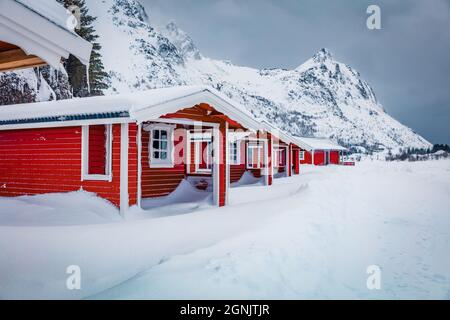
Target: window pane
156	134
164	134
156	155
163	155
156	145
163	145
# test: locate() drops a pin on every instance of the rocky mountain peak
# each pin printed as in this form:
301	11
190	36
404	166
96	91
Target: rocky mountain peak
322	56
182	41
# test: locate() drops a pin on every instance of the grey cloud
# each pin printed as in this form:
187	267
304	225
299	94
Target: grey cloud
407	62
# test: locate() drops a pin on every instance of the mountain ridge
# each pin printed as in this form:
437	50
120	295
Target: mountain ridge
320	98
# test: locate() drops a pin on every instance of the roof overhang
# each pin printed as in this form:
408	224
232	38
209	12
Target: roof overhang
39	36
325	144
137	107
205	95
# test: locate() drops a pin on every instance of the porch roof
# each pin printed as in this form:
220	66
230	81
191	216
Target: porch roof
40	29
139	106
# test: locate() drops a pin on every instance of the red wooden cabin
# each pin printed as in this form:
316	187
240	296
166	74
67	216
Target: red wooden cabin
125	148
267	154
319	152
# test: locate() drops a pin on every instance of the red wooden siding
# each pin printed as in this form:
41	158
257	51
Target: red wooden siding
319	158
97	149
334	157
256	172
307	159
236	172
38	161
204	155
132	164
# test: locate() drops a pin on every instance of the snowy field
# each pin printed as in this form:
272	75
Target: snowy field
310	236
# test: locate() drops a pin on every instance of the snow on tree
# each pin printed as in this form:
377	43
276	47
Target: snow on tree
78	76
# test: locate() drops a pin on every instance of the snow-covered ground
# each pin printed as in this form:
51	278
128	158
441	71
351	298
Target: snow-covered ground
310	236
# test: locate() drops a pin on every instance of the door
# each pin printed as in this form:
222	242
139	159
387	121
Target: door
203	159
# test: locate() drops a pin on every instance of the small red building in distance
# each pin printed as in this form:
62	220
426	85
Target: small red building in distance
320	152
127	148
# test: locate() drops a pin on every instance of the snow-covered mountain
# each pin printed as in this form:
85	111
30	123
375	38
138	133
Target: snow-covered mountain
322	97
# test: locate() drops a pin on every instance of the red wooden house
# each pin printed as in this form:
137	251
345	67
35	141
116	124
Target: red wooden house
124	148
266	154
319	152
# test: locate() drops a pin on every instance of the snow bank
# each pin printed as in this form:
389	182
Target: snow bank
75	208
310	236
185	199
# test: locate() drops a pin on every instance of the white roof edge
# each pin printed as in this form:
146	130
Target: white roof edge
310	144
18	26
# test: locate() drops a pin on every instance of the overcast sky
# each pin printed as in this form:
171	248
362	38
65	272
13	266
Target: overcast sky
407	62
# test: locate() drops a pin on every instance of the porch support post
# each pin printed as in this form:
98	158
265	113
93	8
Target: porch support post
269	164
296	160
227	164
289	160
220	165
139	165
124	143
312	157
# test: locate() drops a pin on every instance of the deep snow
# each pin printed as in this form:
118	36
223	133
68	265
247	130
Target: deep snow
310	236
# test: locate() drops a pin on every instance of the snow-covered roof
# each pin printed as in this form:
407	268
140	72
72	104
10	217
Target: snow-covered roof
138	106
318	144
41	28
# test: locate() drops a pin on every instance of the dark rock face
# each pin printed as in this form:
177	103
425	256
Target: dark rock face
32	85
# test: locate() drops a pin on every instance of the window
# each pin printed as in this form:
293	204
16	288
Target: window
302	155
279	158
235	153
254	156
96	155
161	146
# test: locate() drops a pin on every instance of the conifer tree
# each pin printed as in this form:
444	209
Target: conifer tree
98	78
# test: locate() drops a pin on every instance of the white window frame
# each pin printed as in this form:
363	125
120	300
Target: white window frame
302	155
209	147
158	163
85	176
280	152
235	149
254	146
